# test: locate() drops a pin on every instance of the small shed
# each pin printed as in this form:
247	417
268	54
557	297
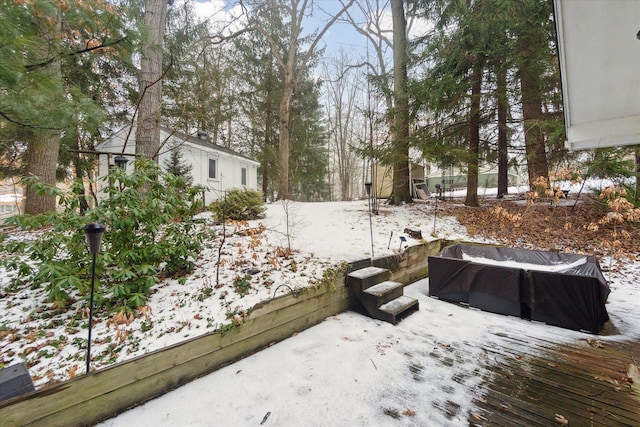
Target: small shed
213	167
383	179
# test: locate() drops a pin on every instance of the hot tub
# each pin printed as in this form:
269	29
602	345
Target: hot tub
560	289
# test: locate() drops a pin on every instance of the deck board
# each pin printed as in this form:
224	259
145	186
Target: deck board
527	381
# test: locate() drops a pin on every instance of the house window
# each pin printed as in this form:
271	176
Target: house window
213	168
243	177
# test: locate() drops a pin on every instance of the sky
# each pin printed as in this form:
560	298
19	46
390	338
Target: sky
341	36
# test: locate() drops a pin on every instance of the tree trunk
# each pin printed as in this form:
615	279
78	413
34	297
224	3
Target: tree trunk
474	137
82	195
42	160
400	131
284	192
44	145
149	109
503	158
530	85
267	146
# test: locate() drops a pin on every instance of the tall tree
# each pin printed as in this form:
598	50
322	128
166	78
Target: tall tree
198	85
533	54
44	144
39	103
309	159
503	130
259	86
344	96
150	80
293	63
400	130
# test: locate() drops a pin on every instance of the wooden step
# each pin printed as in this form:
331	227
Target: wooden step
364	278
398	308
384	292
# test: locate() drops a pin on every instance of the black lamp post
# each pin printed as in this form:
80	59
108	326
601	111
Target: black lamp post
367	186
435	209
121	161
93	232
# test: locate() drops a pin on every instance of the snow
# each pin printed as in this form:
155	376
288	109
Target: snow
348	370
525	265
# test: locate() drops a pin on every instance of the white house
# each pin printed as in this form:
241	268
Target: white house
216	168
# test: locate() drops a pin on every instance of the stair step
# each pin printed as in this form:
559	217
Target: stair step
400	306
384	292
366	277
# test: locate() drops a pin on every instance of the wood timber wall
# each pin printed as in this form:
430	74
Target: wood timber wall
89	399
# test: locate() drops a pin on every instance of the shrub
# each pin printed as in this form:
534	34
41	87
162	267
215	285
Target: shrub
149	232
239	205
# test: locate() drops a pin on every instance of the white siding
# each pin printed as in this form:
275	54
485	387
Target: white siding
229	166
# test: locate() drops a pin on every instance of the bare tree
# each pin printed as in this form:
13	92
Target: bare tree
394	91
293	64
345	129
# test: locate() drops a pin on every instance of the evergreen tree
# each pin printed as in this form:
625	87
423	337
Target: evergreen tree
176	166
39	104
198	87
507	48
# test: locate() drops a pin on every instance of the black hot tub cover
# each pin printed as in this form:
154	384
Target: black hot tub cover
566	290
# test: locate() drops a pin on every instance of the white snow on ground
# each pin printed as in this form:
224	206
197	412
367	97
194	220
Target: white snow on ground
355	371
53	342
349	370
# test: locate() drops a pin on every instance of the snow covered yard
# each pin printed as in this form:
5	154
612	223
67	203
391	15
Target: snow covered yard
349	370
254	266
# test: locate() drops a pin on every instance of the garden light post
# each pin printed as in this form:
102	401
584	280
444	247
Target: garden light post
435	209
367	186
93	232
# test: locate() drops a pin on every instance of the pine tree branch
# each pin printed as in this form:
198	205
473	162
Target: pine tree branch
33	67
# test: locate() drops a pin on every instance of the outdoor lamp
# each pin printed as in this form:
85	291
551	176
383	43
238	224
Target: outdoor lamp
93	232
121	161
367	186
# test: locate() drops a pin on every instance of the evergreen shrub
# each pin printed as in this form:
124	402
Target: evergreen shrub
239	205
149	234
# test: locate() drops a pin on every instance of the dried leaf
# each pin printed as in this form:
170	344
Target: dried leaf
594	343
72	371
561	420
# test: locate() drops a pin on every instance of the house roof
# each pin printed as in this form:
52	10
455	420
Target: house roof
203	143
167	133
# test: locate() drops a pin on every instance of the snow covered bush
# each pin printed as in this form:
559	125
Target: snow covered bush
149	233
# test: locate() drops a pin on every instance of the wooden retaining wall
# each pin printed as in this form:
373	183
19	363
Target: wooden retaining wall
89	399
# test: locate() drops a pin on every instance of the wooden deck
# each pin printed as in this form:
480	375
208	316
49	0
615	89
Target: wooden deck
534	382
